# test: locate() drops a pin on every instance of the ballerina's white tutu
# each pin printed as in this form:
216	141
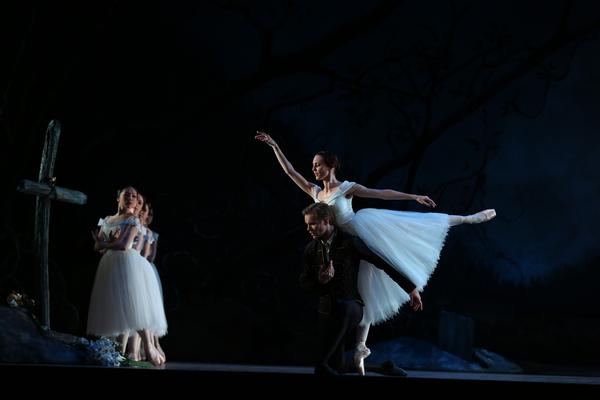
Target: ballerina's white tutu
410	241
126	295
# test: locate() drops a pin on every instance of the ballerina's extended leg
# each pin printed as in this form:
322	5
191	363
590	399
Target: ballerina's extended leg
478	218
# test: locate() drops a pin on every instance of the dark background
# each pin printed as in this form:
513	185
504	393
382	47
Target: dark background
476	104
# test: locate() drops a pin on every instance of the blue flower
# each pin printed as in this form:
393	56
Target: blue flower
101	352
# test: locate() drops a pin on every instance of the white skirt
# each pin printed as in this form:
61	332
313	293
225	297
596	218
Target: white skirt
157	279
126	296
410	241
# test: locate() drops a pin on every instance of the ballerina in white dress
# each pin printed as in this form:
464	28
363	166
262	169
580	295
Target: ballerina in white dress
147	243
409	241
125	296
150	250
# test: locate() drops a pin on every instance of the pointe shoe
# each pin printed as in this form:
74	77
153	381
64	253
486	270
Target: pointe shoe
360	354
482	216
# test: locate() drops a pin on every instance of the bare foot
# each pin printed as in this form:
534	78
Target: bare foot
159	349
154	357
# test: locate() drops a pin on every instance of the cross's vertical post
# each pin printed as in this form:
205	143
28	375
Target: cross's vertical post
42	217
46	191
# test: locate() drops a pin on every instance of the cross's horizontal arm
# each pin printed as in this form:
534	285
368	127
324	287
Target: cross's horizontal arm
41	189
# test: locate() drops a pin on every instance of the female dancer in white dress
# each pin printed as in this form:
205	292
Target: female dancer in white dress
147	245
149	253
125	296
410	241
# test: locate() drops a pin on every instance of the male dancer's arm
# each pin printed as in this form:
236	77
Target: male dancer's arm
309	277
366	254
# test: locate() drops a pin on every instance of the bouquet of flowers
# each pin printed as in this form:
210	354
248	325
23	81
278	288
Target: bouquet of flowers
101	352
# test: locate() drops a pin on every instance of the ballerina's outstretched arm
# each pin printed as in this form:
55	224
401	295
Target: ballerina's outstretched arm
388	194
287	167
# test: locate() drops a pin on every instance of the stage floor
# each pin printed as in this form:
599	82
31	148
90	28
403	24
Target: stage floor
233	377
412	374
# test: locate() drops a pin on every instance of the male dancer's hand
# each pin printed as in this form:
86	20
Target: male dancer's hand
326	274
415	300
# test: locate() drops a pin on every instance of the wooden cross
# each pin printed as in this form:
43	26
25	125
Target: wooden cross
46	191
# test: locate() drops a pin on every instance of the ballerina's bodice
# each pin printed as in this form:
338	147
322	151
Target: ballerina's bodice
342	206
108	227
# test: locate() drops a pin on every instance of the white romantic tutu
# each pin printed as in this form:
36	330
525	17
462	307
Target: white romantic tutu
410	241
126	296
157	279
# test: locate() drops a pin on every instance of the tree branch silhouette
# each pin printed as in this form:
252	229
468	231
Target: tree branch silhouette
432	133
309	58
